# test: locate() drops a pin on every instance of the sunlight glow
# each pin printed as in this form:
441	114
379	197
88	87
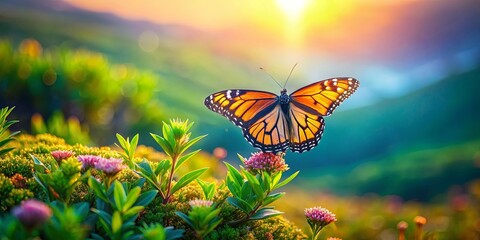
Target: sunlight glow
293	9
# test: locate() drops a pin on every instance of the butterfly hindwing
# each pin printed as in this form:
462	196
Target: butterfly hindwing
258	114
306	129
324	96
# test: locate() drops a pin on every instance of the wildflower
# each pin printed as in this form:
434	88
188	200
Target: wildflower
200	203
19	181
402	227
88	161
419	221
32	213
265	162
318	218
109	166
60	155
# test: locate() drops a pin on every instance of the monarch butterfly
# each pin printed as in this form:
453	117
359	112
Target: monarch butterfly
274	123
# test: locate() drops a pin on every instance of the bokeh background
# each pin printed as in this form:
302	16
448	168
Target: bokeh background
406	143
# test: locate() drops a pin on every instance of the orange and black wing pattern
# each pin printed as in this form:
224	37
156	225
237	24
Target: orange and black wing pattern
259	115
309	104
324	96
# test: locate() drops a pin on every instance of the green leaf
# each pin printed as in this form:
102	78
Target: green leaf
116	222
133	212
145	198
236	176
187	178
272	198
276	178
173	234
119	195
164	144
232	185
284	182
103	215
265	213
169	136
185	218
240	204
190	143
162	167
241	158
132	197
255	184
133	145
208	188
98	189
183	159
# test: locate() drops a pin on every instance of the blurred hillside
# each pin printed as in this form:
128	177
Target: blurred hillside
370	149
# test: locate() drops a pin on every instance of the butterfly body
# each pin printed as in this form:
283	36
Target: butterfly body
274	123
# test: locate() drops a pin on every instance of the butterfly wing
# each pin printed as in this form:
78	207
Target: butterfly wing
309	104
257	113
323	97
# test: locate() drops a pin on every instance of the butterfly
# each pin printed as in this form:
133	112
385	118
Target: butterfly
275	123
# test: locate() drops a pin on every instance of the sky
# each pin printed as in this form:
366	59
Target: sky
394	46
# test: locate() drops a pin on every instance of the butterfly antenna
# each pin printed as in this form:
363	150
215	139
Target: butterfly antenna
263	69
286	81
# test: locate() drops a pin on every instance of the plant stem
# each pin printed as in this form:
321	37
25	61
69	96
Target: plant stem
170	179
246	218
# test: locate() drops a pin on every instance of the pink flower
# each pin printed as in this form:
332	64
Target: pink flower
88	161
267	162
60	155
32	213
200	203
319	216
109	166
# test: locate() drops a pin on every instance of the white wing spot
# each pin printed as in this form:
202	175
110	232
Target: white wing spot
228	94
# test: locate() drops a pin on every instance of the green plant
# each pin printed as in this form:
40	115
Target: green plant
252	192
71	129
203	217
128	148
175	141
59	180
4	125
119	206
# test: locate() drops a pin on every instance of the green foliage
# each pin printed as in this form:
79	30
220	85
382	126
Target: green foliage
156	231
78	83
59	182
203	219
252	193
175	141
5	138
119	206
129	148
70	130
68	222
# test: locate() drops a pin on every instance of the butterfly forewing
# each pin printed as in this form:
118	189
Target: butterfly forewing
240	106
324	96
258	114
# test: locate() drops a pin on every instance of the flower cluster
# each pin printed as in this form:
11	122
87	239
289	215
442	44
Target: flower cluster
265	162
200	203
320	216
61	155
109	166
88	161
32	213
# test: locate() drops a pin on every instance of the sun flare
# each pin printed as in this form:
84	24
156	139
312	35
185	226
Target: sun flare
293	9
